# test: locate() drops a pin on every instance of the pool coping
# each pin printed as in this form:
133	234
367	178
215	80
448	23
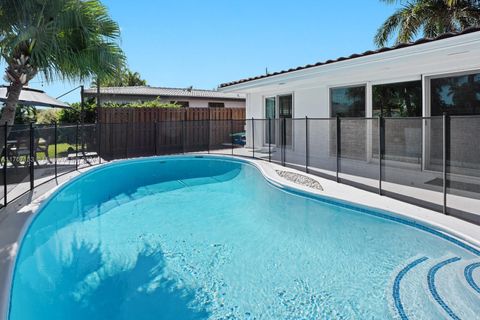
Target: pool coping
16	218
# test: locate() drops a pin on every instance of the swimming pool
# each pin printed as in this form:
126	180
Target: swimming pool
211	238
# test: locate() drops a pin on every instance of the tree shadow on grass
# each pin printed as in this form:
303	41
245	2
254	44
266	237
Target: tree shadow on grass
136	290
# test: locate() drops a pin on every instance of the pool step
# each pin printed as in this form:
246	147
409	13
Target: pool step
426	288
450	289
469	274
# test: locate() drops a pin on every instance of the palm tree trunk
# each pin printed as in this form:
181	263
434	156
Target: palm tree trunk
8	113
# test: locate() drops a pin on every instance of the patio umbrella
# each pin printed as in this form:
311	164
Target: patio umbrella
34	97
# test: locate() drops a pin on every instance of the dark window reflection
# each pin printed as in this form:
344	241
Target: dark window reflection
285	106
459	95
398	99
348	102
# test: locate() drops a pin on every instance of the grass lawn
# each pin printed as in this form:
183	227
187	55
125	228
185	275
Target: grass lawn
62	149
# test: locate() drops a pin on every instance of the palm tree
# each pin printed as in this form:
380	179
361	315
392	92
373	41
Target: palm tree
123	77
427	17
134	79
58	39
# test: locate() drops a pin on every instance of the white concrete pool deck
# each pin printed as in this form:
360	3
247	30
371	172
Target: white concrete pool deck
16	216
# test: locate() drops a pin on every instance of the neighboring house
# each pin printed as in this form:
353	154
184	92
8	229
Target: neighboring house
188	97
425	78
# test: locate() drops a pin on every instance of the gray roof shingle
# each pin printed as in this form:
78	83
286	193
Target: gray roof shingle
164	92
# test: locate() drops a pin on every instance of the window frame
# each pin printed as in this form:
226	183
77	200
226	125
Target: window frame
277	115
217	103
357	85
415	79
428	86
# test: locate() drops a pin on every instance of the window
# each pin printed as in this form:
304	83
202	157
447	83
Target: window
216	105
285	104
397	99
455	95
183	104
348	102
270	108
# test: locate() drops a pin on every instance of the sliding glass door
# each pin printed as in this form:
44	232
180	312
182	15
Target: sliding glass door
270	113
400	102
349	102
456	95
285	107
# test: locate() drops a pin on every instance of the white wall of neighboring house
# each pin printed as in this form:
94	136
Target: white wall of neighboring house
193	103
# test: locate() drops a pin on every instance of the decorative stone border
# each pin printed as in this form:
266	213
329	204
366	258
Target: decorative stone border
300	179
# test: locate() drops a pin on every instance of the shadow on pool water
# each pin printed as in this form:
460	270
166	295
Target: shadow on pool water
138	292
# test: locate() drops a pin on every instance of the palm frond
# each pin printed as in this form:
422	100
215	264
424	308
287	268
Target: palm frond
432	17
387	29
70	39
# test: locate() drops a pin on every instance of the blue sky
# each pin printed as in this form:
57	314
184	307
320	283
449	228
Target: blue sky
178	43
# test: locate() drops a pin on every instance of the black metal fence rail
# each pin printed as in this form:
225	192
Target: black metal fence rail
432	162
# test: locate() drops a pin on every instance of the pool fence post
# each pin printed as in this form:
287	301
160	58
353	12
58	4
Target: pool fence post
253	138
99	147
155	137
381	142
126	140
183	135
446	129
284	140
55	141
5	157
76	147
232	138
338	148
306	144
32	156
269	139
208	133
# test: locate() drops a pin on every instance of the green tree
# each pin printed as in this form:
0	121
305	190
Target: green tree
66	39
157	103
123	77
48	116
73	115
429	18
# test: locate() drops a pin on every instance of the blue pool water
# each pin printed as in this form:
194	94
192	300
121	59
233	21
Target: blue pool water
210	238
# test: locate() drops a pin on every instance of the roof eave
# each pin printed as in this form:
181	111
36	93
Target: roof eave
240	85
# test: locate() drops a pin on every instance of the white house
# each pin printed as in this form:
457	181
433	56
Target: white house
187	97
404	83
317	88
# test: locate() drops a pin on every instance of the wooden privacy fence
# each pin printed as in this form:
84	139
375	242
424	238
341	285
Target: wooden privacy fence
129	132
